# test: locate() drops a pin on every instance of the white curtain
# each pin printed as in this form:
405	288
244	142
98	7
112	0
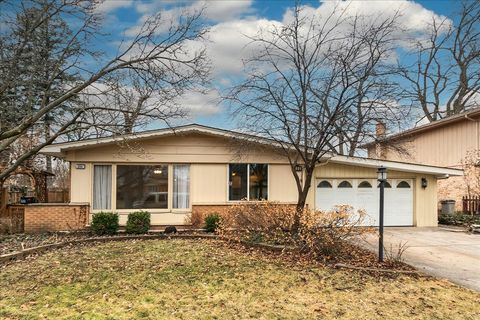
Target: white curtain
102	187
181	186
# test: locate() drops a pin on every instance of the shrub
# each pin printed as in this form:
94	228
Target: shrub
196	219
269	221
458	219
324	234
138	222
211	222
104	223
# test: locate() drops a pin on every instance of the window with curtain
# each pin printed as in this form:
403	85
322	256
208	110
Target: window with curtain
258	182
142	187
237	183
102	187
181	186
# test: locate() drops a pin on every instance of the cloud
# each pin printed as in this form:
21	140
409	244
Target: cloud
111	5
413	15
233	22
171	11
214	11
201	104
229	40
230	44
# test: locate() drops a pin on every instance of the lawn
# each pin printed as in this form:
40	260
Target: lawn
205	279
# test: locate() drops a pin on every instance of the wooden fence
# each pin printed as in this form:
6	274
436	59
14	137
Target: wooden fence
14	196
12	219
471	205
58	196
54	196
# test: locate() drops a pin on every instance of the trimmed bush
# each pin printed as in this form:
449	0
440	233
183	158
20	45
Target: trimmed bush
211	222
104	223
138	222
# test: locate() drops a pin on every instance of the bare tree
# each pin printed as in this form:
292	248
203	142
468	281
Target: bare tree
144	100
160	53
304	82
444	80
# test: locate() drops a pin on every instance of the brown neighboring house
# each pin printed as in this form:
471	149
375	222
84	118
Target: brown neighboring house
452	142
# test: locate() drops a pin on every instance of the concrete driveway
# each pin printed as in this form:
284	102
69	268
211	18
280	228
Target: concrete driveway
438	252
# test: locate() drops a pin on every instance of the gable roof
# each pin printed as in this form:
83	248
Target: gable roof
59	149
429	126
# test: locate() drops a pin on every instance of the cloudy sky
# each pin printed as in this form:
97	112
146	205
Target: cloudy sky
231	20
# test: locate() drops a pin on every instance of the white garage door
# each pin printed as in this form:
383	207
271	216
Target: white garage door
364	194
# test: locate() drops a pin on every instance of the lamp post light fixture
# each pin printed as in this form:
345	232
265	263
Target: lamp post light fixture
382	178
424	183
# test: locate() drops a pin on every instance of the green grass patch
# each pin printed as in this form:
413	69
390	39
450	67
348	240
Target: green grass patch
204	279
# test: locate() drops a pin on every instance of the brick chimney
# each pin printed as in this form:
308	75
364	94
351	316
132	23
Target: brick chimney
380	130
380	134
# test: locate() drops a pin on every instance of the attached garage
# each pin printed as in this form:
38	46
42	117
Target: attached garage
363	194
410	192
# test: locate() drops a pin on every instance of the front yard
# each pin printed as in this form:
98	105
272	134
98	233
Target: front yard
207	279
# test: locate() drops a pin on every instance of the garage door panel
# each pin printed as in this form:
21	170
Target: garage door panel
325	194
399	204
398	199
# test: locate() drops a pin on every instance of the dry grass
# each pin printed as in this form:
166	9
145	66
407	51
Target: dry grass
186	279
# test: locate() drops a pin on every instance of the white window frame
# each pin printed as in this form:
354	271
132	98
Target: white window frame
169	208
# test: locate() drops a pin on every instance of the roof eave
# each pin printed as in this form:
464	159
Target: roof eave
425	127
399	166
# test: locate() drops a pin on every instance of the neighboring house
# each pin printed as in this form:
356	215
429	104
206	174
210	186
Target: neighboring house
174	172
453	142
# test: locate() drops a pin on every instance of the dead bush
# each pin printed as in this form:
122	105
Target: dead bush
395	253
323	234
196	219
262	221
327	233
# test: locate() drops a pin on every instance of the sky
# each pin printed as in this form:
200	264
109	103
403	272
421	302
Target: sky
230	21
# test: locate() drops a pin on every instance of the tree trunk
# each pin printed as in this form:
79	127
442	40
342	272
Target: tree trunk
302	199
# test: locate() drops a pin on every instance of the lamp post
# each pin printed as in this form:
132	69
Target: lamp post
382	178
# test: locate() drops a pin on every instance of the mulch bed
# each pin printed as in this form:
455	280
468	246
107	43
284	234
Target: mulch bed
19	242
356	258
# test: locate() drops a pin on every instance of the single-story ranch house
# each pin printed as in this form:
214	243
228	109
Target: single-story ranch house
176	171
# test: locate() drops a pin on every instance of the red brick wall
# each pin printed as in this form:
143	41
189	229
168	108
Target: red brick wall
55	217
453	188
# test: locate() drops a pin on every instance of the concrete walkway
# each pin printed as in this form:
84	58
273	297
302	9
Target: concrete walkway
441	253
